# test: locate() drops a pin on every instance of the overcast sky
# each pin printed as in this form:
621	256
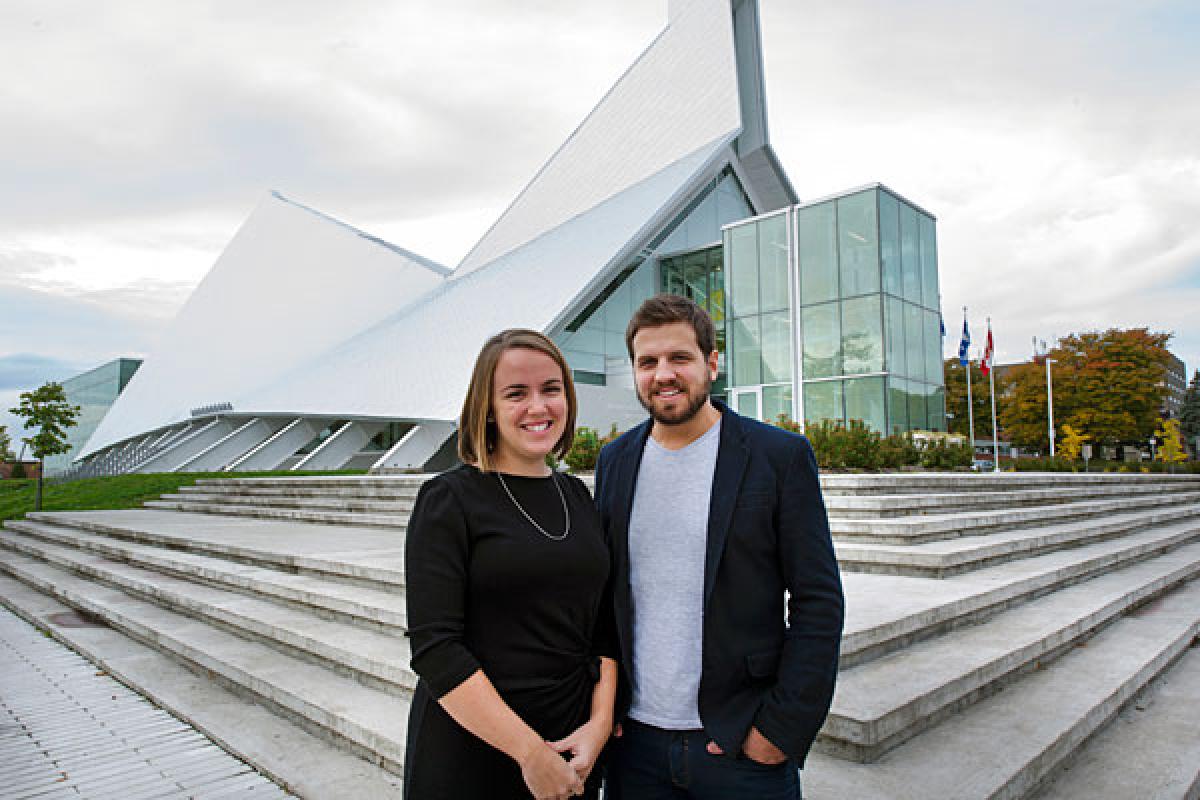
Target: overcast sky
1058	144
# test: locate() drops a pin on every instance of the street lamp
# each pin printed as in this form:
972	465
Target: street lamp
1040	349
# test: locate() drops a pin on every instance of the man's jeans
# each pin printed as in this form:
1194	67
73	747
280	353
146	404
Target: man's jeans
649	763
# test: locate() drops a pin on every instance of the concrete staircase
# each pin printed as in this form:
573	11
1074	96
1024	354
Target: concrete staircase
994	623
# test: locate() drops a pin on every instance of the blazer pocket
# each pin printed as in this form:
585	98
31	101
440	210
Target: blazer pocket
762	666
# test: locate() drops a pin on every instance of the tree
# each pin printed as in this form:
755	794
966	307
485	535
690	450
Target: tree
46	408
5	444
1189	415
1072	443
1107	386
1171	450
981	398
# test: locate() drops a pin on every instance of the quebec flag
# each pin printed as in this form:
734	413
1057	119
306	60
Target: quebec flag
964	345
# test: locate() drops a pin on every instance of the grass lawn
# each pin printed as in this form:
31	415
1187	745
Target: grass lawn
117	491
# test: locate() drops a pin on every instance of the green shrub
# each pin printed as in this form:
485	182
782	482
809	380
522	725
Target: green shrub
899	450
585	448
941	454
18	471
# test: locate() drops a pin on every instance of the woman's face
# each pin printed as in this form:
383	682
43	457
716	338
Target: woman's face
529	405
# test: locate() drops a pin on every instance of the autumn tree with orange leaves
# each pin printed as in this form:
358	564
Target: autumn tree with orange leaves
1107	386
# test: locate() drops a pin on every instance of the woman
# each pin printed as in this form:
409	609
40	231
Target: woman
508	603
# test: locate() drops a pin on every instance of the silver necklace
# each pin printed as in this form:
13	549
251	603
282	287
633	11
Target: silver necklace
532	521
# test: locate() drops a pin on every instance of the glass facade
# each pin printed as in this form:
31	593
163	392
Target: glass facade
94	392
690	264
867	311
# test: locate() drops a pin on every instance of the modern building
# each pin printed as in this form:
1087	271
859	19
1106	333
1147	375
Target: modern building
94	392
1174	385
362	353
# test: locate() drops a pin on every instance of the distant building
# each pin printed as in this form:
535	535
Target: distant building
1175	384
94	392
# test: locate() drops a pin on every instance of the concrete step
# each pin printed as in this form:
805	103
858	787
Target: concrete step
936	482
307	765
323	503
376	659
382	482
885	613
363	492
1150	751
366	721
934	527
363	556
391	521
1002	747
887	701
943	558
876	506
372	608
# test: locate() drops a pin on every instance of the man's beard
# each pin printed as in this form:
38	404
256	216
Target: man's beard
695	403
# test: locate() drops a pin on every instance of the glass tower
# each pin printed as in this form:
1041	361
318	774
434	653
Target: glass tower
94	392
839	299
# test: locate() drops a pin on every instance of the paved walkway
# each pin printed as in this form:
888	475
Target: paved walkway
69	730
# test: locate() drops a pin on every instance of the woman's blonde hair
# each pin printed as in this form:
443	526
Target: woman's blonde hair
476	424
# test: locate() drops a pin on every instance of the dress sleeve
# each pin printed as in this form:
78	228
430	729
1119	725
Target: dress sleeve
436	554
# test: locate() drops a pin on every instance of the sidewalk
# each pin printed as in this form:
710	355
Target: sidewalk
67	729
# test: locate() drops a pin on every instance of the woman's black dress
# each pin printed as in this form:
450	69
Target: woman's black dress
487	590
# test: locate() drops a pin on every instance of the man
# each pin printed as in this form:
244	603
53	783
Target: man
713	517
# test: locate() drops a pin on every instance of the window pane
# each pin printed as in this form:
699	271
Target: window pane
910	263
929	277
914	341
862	335
937	409
864	401
776	347
743	265
896	361
773	263
746	404
858	249
933	348
898	404
818	254
916	407
695	278
777	402
746	351
889	244
823	401
822	338
716	286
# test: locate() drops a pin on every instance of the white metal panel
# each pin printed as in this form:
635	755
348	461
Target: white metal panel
290	285
679	95
416	365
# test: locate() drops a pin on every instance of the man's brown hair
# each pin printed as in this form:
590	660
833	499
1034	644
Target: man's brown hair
664	309
476	423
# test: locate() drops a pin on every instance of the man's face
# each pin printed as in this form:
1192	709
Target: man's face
673	376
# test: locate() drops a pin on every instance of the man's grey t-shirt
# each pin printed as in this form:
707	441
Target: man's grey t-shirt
668	532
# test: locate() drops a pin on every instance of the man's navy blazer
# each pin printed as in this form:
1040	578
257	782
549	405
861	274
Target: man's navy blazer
767	534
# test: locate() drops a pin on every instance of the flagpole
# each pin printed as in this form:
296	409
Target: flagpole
970	404
992	382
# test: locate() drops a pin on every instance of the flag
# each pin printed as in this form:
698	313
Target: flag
964	345
988	352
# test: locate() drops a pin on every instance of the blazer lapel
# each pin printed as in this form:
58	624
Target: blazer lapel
732	458
625	484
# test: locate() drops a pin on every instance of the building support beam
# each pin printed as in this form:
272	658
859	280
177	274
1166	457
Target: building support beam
334	452
181	450
238	442
417	446
272	453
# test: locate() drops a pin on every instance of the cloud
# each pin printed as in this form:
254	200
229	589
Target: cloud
27	370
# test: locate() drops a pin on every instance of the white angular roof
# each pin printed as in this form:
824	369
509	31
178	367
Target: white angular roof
291	284
681	94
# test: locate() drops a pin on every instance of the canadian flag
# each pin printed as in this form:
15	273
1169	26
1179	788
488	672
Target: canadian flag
985	366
